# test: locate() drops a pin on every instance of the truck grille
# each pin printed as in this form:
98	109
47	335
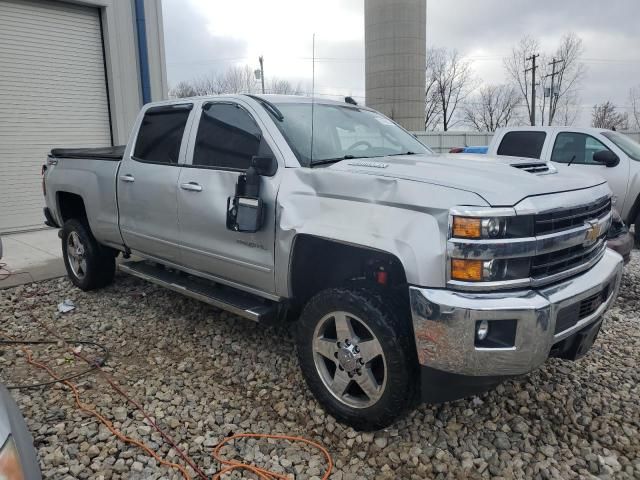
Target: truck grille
559	261
571	217
553	263
568	316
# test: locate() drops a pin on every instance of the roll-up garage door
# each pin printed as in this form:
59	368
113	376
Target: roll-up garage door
53	93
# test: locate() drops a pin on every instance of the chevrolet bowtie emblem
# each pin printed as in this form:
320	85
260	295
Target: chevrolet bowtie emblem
592	233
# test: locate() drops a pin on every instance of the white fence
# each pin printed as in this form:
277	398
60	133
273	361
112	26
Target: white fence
442	142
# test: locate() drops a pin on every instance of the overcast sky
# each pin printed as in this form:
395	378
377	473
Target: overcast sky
204	36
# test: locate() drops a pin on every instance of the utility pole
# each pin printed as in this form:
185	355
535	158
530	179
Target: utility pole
533	68
552	94
261	59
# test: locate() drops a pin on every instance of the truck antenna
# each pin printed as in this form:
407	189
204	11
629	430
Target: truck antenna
313	90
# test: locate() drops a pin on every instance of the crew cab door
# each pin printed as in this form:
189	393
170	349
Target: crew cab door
227	137
147	183
580	147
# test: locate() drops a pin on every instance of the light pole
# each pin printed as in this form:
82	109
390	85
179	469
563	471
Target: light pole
261	59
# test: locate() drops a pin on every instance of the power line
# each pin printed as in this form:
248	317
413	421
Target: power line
588	60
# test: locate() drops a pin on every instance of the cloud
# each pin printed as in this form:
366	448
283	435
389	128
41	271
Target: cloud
209	35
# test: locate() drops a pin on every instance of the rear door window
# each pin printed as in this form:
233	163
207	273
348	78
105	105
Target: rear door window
160	134
522	144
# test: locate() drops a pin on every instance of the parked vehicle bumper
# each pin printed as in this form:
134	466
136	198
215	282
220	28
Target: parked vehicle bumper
445	323
623	244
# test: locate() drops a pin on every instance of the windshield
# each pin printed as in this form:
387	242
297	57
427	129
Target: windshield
625	143
341	132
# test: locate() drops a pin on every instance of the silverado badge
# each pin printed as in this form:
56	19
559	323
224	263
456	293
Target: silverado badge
593	232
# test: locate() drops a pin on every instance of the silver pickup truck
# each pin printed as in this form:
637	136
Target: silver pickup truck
405	275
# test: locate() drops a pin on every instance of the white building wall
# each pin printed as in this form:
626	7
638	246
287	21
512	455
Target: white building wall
121	58
69	76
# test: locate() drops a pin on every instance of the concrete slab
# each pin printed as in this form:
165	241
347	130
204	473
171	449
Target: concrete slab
31	257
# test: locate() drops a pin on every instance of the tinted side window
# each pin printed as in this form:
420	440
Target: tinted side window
160	134
576	148
227	138
522	144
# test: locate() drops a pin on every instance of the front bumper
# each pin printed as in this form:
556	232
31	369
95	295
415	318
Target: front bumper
444	321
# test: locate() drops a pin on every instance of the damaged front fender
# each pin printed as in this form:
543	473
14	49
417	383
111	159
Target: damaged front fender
405	218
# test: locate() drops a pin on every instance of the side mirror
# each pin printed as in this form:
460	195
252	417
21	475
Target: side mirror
606	157
264	166
245	210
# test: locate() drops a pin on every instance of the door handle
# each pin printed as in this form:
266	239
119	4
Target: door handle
127	178
191	186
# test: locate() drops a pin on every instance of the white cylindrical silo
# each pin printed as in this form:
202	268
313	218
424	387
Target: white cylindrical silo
395	57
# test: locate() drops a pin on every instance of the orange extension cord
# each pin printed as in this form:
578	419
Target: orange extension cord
262	473
231	465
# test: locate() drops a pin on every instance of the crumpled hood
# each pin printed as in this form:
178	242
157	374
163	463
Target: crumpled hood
492	178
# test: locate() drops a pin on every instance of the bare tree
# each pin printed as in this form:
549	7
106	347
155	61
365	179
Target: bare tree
454	81
183	89
567	110
569	71
634	100
284	87
432	110
605	115
493	107
515	65
237	79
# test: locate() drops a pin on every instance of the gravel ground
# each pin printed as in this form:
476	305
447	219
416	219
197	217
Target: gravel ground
204	373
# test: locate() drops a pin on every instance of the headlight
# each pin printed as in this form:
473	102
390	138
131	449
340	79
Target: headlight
10	467
490	228
467	270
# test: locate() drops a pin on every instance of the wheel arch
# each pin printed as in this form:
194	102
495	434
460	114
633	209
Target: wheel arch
317	263
71	205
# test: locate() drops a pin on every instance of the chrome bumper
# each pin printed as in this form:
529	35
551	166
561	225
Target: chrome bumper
444	321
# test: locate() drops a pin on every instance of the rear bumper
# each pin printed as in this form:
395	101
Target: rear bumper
444	322
48	218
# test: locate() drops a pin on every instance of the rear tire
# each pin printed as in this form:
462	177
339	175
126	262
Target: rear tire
636	231
89	265
368	379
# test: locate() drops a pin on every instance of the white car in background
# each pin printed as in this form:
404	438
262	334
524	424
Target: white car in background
612	155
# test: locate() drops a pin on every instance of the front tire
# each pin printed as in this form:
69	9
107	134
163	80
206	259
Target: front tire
89	265
355	353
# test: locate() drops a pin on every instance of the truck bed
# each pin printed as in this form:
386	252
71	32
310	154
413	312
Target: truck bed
100	153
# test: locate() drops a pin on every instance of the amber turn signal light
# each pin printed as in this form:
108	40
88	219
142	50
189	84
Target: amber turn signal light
466	270
464	227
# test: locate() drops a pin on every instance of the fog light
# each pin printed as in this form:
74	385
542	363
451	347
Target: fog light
482	330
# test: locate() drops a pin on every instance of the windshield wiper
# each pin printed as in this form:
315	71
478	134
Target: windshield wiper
404	153
333	160
571	161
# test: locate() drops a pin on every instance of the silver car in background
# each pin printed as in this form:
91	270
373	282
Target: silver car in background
18	460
